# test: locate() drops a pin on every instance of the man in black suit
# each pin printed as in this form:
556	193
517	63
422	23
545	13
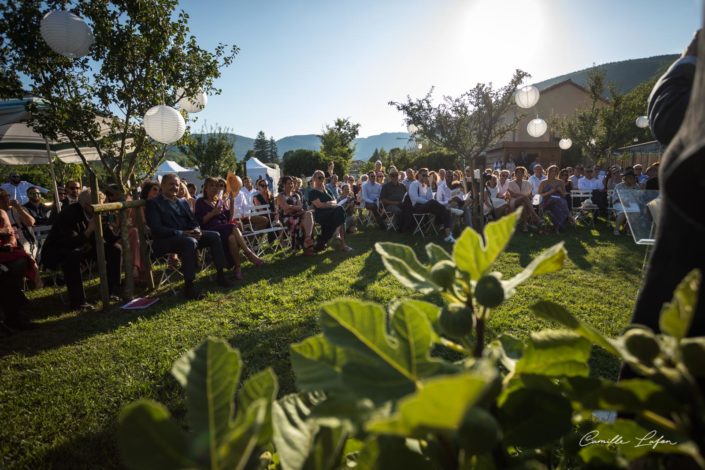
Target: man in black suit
680	232
175	230
72	240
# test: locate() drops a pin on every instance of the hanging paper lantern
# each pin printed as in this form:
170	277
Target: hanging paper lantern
66	33
536	127
420	146
412	129
565	144
527	97
642	122
164	124
192	104
593	141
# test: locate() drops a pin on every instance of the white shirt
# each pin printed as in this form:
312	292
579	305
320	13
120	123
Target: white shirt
370	192
247	194
587	184
419	194
502	188
242	203
535	183
19	192
575	181
443	193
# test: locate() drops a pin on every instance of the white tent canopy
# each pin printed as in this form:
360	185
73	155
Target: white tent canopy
188	174
169	166
255	169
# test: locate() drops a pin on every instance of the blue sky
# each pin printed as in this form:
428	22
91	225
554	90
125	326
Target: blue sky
304	63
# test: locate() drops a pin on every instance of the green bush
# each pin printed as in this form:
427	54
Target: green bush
376	390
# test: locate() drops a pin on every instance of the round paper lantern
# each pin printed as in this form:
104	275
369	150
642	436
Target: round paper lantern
164	124
420	146
536	127
527	97
565	144
66	33
593	141
412	129
642	122
193	104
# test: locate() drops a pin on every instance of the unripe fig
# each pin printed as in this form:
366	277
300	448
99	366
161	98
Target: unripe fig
456	320
642	344
489	291
443	274
479	432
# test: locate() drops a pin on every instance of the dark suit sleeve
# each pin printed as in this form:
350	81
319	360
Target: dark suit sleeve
669	100
153	214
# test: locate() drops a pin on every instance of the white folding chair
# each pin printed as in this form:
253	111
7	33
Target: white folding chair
583	208
258	239
387	217
425	223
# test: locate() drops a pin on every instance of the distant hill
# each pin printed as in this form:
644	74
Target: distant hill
626	74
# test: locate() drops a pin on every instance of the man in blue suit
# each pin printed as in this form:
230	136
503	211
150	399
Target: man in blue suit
175	230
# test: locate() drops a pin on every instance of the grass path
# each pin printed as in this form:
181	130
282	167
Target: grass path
62	385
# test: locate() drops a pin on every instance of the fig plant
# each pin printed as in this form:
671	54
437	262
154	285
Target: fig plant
375	391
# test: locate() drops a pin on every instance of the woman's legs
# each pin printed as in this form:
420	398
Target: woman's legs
234	248
307	224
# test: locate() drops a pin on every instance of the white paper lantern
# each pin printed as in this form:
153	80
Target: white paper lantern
66	33
412	129
642	122
164	124
565	144
536	127
527	97
192	104
420	146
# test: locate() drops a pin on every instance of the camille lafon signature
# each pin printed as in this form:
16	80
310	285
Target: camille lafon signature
651	439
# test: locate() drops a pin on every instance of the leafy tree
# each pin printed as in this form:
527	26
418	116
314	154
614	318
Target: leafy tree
303	162
260	148
374	157
273	152
212	151
337	143
143	52
466	125
250	153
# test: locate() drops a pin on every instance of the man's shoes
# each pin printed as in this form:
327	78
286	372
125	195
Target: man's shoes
222	281
190	293
84	307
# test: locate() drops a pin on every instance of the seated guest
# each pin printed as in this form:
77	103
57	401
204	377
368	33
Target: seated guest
349	206
564	176
212	214
297	221
589	182
576	176
552	191
410	178
35	206
520	196
263	197
186	196
191	190
613	178
536	179
175	230
493	203
652	175
332	186
392	194
17	189
629	182
72	240
503	184
370	195
112	221
422	202
640	175
15	266
73	188
21	221
247	189
327	213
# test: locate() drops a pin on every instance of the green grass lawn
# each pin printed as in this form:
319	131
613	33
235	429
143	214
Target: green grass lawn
62	386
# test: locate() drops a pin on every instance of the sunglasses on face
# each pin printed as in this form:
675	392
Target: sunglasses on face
34	193
320	177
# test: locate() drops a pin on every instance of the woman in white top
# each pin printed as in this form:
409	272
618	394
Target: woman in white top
21	221
493	203
629	181
503	184
520	196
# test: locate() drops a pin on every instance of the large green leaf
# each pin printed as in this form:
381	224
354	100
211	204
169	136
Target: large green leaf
557	353
209	374
437	253
317	364
302	443
262	385
677	315
380	366
439	406
401	261
473	255
554	312
238	450
428	309
148	438
533	417
548	261
390	452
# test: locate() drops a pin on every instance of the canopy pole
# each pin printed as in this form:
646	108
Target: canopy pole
57	202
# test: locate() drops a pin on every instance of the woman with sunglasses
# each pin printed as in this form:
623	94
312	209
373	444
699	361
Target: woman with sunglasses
264	198
520	195
297	221
327	213
212	214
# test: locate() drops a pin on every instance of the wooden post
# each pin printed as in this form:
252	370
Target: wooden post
144	249
100	247
126	253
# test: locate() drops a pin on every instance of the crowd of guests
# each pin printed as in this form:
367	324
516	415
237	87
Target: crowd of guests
181	220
